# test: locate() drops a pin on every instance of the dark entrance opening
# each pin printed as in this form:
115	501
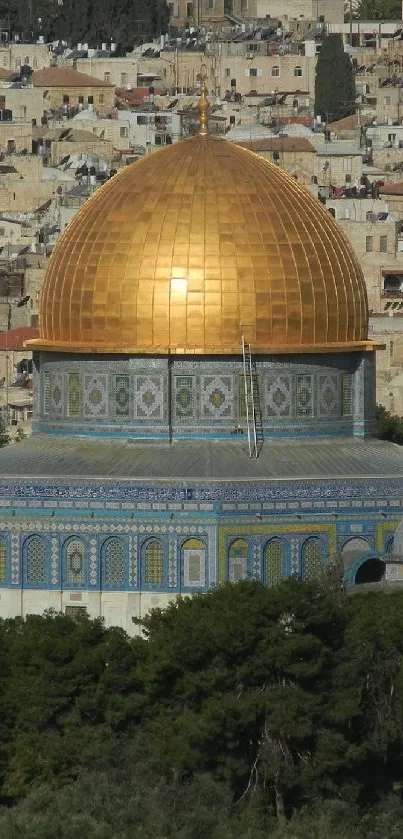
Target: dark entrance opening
371	571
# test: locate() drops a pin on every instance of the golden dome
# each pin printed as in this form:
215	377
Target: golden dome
195	246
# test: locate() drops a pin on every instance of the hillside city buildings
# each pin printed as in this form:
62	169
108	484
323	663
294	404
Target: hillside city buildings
73	116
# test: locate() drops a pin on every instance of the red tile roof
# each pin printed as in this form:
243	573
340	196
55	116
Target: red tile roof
391	188
349	123
15	338
65	77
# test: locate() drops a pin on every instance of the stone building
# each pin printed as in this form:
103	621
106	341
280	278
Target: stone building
62	88
203	396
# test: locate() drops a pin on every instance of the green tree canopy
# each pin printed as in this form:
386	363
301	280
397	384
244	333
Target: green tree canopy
379	10
245	712
126	22
334	81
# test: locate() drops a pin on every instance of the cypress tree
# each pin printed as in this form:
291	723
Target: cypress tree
334	82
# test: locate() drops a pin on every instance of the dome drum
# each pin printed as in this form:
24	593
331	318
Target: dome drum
203	397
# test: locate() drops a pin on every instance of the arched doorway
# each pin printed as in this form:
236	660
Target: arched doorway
371	571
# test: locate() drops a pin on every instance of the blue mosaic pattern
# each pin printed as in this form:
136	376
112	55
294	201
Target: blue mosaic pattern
34	563
96	396
295	398
75	570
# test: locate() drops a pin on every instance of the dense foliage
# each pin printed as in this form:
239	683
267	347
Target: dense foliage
390	426
379	10
245	712
126	22
334	81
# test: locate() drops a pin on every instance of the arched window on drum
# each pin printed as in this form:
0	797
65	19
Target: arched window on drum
153	564
74	564
113	564
311	558
274	557
34	571
194	563
238	560
3	561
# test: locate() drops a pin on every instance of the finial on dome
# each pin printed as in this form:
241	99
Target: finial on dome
203	104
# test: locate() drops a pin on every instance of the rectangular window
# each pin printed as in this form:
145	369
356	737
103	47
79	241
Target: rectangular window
2	231
304	394
194	567
386	100
75	612
189	9
369	244
123	131
123	78
227	72
391	349
46	393
346	395
142	120
347	164
73	395
383	244
253	71
107	78
238	568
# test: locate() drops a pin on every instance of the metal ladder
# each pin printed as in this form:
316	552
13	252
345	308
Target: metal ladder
252	402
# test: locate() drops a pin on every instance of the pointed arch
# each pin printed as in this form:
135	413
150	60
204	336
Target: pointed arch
353	548
194	563
153	564
238	560
3	561
311	558
113	564
75	563
34	562
274	558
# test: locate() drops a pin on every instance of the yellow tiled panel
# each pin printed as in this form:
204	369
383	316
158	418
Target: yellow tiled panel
246	243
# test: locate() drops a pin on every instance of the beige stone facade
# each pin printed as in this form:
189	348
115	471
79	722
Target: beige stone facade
25	103
120	72
215	12
331	11
207	12
15	55
389	362
63	87
296	155
267	73
15	136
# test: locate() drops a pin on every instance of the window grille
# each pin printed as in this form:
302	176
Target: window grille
3	561
311	558
35	568
114	563
154	563
75	570
274	555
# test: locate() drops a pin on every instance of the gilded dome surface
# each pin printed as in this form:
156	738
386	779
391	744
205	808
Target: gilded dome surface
195	246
